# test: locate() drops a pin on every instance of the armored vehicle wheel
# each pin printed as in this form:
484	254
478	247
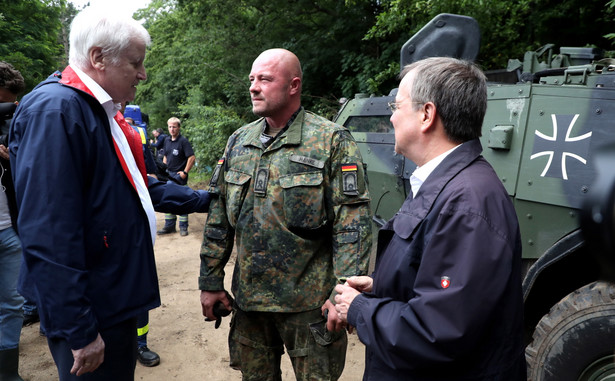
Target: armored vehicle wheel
576	340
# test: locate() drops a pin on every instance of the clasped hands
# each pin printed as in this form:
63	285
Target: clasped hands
338	313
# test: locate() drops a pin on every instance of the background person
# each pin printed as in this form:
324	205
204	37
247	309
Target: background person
150	164
179	158
86	206
11	319
281	192
445	301
158	143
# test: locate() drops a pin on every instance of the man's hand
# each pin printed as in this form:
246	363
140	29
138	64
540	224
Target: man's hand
4	152
334	323
360	283
343	299
209	298
88	358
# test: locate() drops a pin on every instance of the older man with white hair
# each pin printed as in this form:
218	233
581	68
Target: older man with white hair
86	206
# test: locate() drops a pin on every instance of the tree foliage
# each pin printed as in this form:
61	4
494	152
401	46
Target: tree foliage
202	50
208	128
30	37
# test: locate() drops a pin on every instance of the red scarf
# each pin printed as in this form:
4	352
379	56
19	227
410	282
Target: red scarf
70	78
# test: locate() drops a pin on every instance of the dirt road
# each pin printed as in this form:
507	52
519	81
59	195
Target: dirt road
190	349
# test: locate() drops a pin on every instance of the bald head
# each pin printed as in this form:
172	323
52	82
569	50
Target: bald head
284	59
275	86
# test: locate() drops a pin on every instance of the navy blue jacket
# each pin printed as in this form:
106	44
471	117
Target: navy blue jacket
159	145
89	259
447	302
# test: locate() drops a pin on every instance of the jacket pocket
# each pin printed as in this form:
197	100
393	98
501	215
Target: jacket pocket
304	206
236	188
347	242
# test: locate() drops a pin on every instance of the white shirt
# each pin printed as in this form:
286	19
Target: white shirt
5	215
421	174
120	139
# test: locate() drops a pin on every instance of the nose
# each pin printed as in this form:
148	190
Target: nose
254	87
141	74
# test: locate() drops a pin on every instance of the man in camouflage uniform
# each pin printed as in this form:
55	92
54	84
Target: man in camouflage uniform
290	189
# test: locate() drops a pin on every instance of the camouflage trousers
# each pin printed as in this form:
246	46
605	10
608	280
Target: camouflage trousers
257	341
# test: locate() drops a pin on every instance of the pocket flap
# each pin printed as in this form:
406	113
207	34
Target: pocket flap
348	237
235	177
216	233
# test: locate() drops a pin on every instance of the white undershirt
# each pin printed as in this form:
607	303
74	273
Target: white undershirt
120	139
5	215
420	174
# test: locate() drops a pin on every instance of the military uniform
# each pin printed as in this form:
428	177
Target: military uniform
299	212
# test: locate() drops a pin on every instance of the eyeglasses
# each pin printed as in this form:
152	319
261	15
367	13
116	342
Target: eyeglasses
394	106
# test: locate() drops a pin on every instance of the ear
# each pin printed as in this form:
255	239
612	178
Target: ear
96	58
295	85
428	116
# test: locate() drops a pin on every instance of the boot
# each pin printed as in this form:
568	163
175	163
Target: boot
147	357
9	364
167	230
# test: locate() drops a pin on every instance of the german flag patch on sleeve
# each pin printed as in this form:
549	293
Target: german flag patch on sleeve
214	178
350	179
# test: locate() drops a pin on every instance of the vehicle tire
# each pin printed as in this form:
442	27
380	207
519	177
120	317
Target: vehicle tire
576	340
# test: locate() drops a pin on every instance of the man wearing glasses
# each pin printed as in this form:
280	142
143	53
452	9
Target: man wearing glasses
445	300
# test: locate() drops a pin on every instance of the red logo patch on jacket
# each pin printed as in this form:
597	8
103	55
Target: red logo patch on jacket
445	282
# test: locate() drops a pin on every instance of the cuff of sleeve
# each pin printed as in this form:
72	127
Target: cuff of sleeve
81	337
211	284
354	310
205	201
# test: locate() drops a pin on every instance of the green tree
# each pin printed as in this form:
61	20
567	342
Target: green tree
500	23
508	28
579	22
67	14
202	50
208	128
29	37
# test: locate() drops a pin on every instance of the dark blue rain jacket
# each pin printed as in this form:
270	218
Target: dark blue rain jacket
447	301
89	257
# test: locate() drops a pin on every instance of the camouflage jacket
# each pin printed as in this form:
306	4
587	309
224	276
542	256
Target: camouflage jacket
298	211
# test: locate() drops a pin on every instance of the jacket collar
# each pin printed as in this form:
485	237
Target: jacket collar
292	136
70	78
413	211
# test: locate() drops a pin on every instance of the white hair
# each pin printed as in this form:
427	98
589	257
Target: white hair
113	33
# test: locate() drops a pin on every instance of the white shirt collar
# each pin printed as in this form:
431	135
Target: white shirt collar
99	93
421	173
